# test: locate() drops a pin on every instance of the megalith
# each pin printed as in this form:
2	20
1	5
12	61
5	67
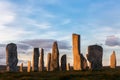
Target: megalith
35	59
68	67
29	66
54	58
63	63
77	65
21	67
94	56
48	61
113	60
41	63
11	57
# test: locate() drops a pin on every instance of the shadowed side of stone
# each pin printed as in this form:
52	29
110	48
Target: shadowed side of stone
94	56
35	59
54	58
63	63
113	60
11	57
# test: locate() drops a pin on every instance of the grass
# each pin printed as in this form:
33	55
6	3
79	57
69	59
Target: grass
104	74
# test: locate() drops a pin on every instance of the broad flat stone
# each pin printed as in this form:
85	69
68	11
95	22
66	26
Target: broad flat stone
11	57
94	56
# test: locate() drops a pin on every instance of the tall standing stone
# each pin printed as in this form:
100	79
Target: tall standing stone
11	57
35	59
54	58
63	63
94	56
41	64
21	67
29	66
48	61
76	52
113	60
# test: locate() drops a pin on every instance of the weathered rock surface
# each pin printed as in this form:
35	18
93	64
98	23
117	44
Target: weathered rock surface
48	61
21	67
63	63
29	66
54	58
84	62
68	67
11	57
35	59
41	64
113	60
94	56
77	65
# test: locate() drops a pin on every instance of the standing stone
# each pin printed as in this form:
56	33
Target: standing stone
29	66
21	67
35	59
113	60
68	67
84	62
94	56
54	58
41	64
48	61
63	63
76	52
11	57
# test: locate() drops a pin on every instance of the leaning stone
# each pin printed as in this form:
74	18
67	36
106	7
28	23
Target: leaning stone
41	64
113	60
11	57
35	59
54	58
21	67
84	62
48	61
63	63
94	56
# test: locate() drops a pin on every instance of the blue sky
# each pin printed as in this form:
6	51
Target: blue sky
97	21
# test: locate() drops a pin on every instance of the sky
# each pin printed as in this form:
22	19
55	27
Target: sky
38	23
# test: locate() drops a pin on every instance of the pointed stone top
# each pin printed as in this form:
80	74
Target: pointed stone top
113	53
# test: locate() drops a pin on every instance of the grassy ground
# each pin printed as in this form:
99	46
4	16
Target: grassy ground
104	74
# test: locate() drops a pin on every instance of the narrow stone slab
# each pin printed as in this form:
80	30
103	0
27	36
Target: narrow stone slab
77	65
29	66
35	59
48	61
54	58
41	64
113	60
21	67
63	63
